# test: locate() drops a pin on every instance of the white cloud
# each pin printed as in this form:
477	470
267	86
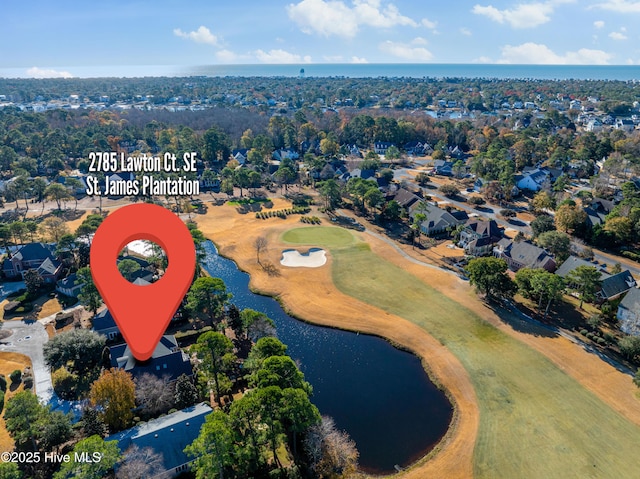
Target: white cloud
523	15
201	35
598	24
429	24
620	6
406	51
226	56
36	72
334	17
465	31
618	35
355	59
482	59
536	53
281	56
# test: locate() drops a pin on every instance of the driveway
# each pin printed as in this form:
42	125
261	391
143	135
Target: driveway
28	338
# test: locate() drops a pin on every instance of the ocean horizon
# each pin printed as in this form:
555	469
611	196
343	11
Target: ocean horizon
350	70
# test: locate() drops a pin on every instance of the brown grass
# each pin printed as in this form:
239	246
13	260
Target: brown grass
49	307
9	362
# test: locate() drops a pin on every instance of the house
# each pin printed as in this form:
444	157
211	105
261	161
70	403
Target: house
418	148
625	124
629	312
381	147
572	262
443	167
240	155
168	436
616	285
439	220
478	237
284	154
521	254
532	180
407	199
69	286
38	256
167	360
104	324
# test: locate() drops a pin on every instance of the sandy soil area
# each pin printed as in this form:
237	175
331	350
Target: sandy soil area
312	259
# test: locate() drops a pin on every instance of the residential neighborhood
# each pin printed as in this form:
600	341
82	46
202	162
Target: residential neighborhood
454	215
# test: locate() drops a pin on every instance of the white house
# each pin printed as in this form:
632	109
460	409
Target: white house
532	180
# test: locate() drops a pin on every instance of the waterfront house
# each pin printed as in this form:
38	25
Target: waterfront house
167	436
167	361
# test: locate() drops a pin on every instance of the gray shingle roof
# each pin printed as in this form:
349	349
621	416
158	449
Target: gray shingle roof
617	284
631	300
572	262
168	435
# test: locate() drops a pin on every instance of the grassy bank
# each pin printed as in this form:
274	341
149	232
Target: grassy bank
535	420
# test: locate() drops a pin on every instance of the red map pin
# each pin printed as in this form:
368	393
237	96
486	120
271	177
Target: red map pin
143	312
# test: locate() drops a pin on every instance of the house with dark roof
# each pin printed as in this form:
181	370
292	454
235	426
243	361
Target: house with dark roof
381	147
168	436
104	324
478	237
38	256
443	167
407	199
616	285
521	254
629	312
439	220
167	360
69	286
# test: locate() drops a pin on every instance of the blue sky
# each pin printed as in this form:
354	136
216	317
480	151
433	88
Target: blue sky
44	38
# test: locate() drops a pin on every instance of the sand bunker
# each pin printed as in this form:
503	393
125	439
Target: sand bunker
313	258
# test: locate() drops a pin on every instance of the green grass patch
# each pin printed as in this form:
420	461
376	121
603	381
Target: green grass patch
329	237
535	420
248	201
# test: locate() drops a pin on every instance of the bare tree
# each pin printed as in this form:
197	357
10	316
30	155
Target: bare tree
331	452
155	395
260	244
140	463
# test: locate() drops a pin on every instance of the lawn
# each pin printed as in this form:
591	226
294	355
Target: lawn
535	420
329	237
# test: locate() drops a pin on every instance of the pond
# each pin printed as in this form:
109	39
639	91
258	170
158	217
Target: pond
380	395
